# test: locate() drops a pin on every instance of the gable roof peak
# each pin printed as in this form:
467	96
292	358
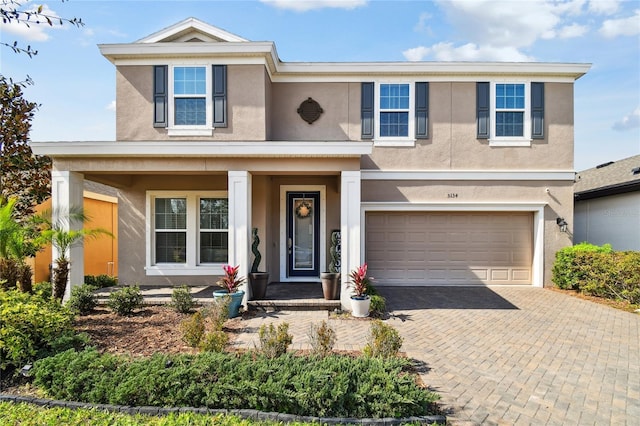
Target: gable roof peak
193	28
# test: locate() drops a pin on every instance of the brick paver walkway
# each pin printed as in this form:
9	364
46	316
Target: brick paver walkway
505	355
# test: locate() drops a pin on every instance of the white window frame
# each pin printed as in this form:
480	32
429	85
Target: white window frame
408	140
525	139
191	130
192	265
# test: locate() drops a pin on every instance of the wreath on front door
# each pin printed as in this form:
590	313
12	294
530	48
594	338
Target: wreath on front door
303	210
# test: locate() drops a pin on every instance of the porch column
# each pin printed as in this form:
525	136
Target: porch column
349	230
240	223
66	195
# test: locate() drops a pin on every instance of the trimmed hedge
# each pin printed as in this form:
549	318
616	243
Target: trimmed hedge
334	386
599	271
565	273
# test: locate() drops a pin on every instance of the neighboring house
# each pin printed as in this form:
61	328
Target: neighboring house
607	204
436	173
100	254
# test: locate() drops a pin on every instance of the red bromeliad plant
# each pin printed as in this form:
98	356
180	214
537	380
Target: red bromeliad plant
230	280
359	280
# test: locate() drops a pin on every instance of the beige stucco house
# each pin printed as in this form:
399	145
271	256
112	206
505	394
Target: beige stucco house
434	173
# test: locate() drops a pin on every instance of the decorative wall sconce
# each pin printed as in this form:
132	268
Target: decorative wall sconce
562	224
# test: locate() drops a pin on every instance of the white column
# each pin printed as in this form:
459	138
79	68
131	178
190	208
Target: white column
349	230
240	223
66	195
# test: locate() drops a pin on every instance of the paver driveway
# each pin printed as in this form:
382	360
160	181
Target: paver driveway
505	355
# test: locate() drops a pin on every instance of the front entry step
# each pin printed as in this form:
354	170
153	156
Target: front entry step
294	296
294	305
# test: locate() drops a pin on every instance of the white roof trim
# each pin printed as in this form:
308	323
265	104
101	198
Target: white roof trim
202	149
196	24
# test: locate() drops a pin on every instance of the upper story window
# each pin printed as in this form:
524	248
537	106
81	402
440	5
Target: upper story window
394	110
190	96
510	110
510	113
190	100
394	113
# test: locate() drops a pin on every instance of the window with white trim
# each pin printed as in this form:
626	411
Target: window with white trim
189	100
394	114
190	96
511	114
187	232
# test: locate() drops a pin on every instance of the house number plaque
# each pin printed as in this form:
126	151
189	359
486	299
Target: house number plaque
310	110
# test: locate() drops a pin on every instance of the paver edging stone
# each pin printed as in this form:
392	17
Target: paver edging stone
244	413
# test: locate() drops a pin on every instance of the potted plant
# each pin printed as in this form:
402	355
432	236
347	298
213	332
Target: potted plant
230	283
331	280
258	280
360	300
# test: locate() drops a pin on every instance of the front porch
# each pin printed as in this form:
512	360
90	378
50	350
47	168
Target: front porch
254	182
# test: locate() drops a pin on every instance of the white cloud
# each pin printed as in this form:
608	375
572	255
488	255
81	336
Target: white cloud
422	25
498	23
573	30
111	106
32	30
603	7
626	26
467	52
305	5
629	121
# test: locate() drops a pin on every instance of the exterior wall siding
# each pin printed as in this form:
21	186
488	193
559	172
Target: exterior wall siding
453	144
614	220
246	105
338	122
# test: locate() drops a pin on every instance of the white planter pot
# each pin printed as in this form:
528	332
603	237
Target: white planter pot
360	306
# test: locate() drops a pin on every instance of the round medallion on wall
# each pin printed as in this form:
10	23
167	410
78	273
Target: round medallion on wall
310	110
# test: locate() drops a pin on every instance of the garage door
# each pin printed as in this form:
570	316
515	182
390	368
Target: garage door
441	248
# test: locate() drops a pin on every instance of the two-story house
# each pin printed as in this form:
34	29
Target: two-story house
435	173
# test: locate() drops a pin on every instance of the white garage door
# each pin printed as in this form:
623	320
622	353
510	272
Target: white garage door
441	248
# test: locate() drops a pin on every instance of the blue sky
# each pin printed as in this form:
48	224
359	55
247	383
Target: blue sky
75	85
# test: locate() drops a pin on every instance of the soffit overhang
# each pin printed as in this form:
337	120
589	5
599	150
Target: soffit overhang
198	149
265	53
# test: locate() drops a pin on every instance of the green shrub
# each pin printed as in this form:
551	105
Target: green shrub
383	341
322	338
334	386
565	273
125	300
83	299
214	341
43	289
24	414
181	299
101	281
378	305
218	312
274	341
193	329
31	327
613	275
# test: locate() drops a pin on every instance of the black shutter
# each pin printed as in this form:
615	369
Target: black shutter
160	97
367	111
483	109
537	110
219	90
422	110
